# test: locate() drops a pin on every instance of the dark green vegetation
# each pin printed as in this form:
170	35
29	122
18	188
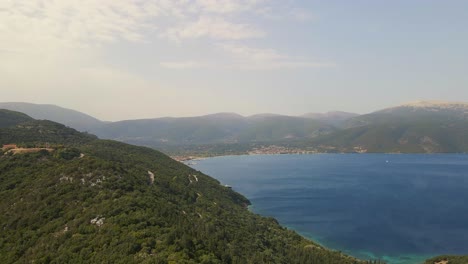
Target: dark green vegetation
450	259
95	200
213	129
406	129
10	118
336	118
41	132
119	203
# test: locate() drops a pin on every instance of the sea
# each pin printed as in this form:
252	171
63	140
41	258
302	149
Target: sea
400	208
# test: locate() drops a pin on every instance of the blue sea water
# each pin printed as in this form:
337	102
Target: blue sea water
399	208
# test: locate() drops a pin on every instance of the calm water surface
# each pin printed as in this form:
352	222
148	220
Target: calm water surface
400	208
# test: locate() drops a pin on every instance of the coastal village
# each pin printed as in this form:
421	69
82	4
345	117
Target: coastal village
277	150
262	150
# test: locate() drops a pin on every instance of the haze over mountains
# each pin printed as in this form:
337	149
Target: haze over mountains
209	129
421	127
68	117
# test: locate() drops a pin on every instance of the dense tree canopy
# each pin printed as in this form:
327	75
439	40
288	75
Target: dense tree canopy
100	201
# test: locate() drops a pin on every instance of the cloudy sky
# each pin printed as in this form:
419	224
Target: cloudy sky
123	59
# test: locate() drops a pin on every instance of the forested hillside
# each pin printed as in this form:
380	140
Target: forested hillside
213	129
97	201
10	118
422	127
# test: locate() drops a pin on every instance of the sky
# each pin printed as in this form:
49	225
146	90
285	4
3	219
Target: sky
127	59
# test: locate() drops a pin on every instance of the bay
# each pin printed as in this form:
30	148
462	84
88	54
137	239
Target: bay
399	208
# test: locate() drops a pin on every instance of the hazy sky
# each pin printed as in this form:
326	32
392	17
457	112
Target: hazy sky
117	59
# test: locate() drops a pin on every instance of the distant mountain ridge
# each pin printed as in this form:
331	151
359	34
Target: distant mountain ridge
68	117
420	127
218	128
436	104
213	129
416	127
334	118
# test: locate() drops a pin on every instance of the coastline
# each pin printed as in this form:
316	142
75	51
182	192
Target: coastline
361	254
188	158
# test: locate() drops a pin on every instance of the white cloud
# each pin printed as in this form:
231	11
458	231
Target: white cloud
182	65
301	14
43	33
214	28
52	23
245	57
72	23
284	12
74	51
228	6
242	57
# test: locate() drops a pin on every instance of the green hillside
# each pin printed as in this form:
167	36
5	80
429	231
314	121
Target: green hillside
278	128
213	129
335	118
10	118
175	131
37	132
404	129
98	201
415	137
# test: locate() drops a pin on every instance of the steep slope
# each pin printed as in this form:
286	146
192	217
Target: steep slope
117	203
422	127
10	118
68	117
426	110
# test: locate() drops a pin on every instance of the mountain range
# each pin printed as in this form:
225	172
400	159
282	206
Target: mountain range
209	129
418	127
69	197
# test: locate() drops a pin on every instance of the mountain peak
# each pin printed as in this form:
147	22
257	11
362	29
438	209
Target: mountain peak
437	104
330	114
223	115
264	115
